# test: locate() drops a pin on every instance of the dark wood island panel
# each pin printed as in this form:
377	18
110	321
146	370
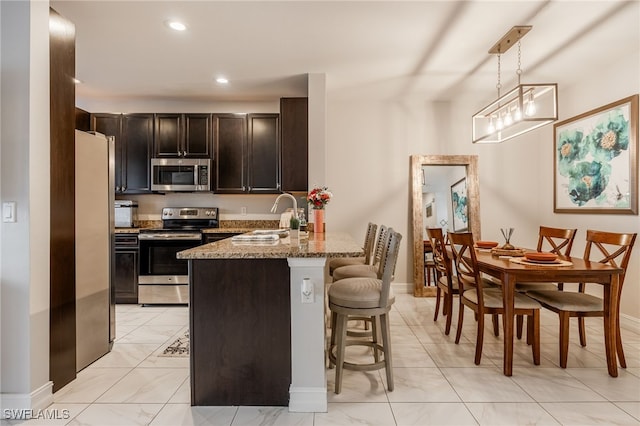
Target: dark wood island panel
240	327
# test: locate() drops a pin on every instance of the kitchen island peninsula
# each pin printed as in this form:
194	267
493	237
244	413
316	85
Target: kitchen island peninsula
255	338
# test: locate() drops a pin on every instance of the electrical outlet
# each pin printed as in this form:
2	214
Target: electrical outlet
307	292
243	211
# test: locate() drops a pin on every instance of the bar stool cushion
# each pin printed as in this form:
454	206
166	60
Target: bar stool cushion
569	300
358	293
355	271
344	261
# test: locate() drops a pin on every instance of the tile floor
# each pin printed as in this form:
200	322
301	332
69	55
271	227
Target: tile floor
436	381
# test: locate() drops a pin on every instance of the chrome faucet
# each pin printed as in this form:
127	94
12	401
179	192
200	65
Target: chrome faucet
295	204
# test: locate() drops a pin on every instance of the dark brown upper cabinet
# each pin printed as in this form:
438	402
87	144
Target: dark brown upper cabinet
182	135
247	153
294	130
263	163
133	142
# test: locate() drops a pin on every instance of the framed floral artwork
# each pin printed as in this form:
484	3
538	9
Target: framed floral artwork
459	203
596	160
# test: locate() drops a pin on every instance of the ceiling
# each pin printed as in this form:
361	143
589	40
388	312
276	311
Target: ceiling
427	50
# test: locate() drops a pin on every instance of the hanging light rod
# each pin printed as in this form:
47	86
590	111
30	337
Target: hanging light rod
509	39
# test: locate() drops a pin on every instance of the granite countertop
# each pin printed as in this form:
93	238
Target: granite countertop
330	244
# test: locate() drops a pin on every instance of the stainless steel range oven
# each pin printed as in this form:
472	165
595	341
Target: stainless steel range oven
163	279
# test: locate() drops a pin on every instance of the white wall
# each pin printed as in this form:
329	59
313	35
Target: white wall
24	141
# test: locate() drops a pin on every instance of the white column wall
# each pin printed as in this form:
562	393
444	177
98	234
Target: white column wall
317	131
24	177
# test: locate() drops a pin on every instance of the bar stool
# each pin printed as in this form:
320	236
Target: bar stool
371	271
369	241
364	297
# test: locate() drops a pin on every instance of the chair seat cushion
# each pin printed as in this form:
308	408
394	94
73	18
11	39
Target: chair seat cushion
344	261
454	282
568	300
525	287
358	293
355	271
491	282
493	299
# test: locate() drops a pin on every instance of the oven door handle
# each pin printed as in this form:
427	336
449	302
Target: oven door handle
169	237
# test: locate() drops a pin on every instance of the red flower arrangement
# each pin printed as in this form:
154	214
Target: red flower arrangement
319	197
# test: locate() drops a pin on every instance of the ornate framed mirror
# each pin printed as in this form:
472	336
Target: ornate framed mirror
419	180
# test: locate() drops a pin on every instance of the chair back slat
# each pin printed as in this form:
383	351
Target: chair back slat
388	261
612	248
369	241
439	250
382	235
466	263
557	239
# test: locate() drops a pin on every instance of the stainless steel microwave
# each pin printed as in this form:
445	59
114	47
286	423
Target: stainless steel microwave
180	174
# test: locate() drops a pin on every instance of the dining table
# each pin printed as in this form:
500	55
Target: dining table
567	270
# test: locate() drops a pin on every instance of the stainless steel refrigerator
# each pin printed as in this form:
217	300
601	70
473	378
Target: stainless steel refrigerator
95	303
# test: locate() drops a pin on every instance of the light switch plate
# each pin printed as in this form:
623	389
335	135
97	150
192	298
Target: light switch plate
9	212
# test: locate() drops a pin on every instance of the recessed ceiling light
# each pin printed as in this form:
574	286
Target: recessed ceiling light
176	25
76	81
222	80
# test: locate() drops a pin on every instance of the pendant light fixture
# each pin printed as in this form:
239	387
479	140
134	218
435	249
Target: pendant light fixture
524	108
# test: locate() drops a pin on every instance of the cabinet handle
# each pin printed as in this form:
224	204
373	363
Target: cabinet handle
184	153
244	188
124	188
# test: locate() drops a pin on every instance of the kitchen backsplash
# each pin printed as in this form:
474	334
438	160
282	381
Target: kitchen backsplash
250	207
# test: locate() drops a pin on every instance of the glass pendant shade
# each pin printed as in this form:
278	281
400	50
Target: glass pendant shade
525	108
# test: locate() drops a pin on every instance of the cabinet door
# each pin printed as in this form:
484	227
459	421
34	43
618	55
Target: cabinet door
168	136
111	125
263	163
137	131
294	130
230	150
126	276
197	135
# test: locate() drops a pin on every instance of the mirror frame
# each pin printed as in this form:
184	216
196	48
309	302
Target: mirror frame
473	193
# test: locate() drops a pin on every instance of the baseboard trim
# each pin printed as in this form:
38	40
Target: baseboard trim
308	400
399	288
39	399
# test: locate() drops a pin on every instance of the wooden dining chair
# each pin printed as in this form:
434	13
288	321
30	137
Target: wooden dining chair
430	270
604	247
446	282
487	301
553	240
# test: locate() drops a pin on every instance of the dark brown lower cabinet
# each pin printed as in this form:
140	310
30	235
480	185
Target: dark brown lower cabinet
125	278
240	328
